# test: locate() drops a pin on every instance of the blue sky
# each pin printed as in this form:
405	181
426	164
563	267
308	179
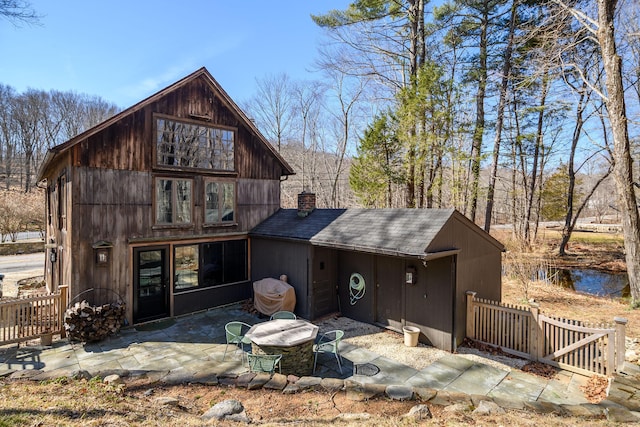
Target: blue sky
126	50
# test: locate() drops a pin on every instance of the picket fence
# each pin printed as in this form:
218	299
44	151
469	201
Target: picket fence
525	332
28	318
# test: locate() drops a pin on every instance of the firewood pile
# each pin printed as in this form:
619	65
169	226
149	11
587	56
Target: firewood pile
88	323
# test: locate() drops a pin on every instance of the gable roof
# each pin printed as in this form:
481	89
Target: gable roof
54	152
406	232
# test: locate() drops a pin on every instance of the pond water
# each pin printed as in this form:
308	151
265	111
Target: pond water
593	282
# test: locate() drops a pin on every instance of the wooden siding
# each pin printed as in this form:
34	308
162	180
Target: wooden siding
117	207
429	303
354	262
110	192
479	265
323	294
112	206
129	143
58	239
272	258
389	289
256	201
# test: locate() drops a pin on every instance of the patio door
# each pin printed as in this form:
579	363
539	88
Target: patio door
151	284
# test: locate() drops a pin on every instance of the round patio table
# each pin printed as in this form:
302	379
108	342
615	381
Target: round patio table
292	338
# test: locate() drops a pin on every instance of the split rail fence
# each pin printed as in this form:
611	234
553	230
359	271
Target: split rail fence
572	345
28	318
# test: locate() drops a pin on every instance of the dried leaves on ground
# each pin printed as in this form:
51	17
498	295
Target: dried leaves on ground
596	389
540	369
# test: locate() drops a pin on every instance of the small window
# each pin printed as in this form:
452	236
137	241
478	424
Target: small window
50	207
62	202
173	201
219	202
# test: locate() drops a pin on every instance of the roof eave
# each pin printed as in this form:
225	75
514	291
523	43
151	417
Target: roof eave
287	169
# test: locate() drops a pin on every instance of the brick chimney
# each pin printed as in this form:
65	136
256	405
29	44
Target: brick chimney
306	203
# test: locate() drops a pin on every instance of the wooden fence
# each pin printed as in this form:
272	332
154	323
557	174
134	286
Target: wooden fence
568	344
24	319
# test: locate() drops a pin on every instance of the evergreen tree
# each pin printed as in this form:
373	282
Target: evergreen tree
376	169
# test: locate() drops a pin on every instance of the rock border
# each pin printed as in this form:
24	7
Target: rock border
357	391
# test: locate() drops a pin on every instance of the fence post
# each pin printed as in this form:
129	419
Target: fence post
64	301
535	333
620	340
471	330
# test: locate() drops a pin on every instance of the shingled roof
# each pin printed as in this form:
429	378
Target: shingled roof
406	232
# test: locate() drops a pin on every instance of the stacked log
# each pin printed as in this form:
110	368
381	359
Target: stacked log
88	323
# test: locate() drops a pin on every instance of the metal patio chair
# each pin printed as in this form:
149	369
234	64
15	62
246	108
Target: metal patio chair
235	333
264	362
328	343
283	315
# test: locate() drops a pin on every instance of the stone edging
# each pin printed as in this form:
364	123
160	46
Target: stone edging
354	390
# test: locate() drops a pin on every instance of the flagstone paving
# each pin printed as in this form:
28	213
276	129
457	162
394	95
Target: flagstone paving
192	348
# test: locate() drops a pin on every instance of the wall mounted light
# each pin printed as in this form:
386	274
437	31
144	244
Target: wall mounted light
411	275
102	250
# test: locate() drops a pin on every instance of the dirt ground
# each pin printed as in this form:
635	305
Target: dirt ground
139	403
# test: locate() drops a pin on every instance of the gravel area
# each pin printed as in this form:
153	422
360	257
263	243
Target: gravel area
390	344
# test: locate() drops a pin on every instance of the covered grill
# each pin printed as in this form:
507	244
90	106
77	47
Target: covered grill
271	295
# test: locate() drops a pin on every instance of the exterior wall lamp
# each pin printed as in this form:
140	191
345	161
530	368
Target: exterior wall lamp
411	275
102	250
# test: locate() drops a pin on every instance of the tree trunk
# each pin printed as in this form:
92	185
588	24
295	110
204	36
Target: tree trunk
623	172
476	148
577	131
536	158
506	74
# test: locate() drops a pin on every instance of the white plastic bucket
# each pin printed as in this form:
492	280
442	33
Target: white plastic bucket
411	335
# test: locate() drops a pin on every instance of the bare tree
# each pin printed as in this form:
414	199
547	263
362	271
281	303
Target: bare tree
8	132
309	97
346	94
602	30
384	44
18	12
29	113
273	108
623	166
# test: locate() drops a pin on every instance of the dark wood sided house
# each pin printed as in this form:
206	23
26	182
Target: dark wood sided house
174	206
155	203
